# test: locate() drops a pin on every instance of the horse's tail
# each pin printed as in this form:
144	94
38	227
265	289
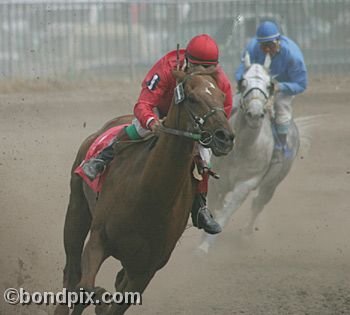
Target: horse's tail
306	125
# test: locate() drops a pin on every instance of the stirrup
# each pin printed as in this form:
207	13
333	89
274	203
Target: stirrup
94	167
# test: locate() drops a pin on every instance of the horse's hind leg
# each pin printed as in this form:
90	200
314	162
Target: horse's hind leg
237	197
76	227
276	174
264	196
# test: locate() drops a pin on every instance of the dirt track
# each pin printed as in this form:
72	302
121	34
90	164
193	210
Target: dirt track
298	262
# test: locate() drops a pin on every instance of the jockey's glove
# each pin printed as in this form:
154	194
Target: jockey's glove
154	125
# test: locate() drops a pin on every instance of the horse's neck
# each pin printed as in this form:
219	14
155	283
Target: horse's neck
170	159
177	120
167	175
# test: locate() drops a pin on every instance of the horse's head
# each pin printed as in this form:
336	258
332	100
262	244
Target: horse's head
200	108
256	89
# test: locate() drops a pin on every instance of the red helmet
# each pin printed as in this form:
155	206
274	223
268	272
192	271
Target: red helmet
202	49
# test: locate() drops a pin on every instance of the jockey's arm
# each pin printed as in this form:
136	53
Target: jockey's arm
143	111
298	78
239	72
154	86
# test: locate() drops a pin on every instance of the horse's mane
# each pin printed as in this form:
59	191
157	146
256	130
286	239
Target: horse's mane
211	71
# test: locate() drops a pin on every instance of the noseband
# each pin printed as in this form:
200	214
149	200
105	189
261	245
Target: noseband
201	135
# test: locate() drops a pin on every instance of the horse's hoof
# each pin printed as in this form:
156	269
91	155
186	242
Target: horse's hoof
99	291
100	308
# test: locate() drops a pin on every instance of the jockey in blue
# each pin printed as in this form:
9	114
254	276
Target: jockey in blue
288	70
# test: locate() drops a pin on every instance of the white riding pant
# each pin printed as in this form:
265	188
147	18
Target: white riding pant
283	111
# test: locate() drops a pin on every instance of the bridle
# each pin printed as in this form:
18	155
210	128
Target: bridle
266	92
199	134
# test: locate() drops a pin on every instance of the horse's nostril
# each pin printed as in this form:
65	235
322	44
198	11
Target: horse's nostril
262	115
223	136
220	135
222	141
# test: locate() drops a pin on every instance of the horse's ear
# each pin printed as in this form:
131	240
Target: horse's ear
267	62
179	75
247	60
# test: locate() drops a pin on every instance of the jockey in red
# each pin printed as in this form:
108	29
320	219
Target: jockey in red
158	85
154	102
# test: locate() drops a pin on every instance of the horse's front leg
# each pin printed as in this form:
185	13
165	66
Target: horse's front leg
93	256
258	204
76	227
238	196
132	283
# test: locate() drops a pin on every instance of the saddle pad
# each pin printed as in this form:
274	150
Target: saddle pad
96	147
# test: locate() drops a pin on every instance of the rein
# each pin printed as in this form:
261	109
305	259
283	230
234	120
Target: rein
176	132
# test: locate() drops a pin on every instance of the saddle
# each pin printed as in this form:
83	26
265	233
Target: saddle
96	147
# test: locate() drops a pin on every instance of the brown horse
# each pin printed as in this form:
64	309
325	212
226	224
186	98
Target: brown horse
144	205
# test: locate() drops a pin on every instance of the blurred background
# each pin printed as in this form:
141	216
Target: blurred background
67	67
82	38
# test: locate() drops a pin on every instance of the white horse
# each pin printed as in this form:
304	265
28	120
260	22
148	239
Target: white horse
249	166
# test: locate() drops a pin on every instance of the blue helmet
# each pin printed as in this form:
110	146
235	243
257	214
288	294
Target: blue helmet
267	31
